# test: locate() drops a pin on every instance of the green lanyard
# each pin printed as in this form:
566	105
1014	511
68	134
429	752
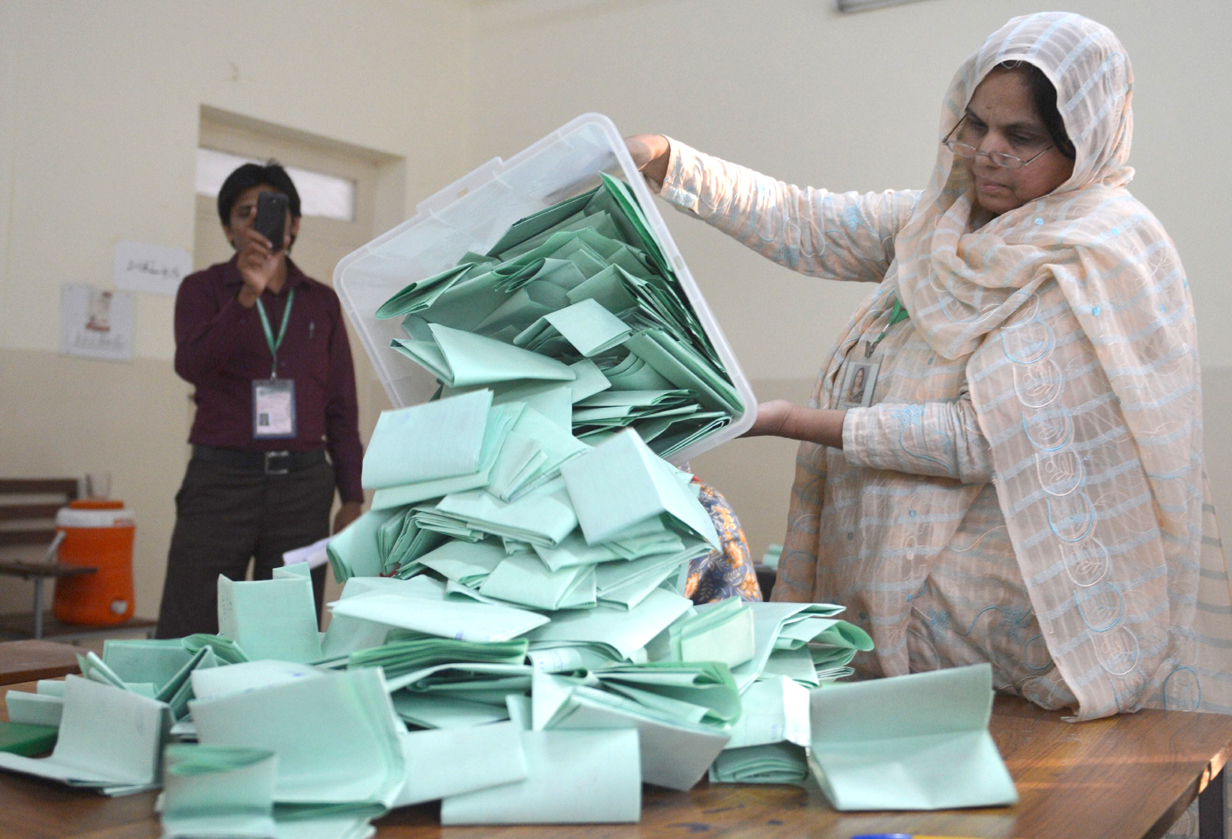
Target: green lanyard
897	313
282	330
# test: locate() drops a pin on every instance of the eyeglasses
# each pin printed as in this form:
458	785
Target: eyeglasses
997	158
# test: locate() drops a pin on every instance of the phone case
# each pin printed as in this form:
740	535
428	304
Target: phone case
271	217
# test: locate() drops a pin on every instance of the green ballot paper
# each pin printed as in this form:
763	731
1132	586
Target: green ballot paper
270	618
768	621
441	439
225	791
455	761
917	742
586	278
675	747
720	631
29	740
118	755
573	777
460	358
42	708
335	734
772	763
621	487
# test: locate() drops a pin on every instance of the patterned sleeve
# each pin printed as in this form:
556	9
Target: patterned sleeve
727	572
840	236
934	438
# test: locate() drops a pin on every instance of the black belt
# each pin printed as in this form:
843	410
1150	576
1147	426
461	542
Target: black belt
271	463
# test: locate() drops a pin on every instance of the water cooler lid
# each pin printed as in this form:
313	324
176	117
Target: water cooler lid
114	515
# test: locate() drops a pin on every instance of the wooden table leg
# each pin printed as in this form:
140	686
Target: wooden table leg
1211	809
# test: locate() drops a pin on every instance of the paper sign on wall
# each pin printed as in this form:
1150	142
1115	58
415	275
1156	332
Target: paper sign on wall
150	268
96	323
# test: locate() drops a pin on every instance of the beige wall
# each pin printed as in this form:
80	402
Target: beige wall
846	102
99	114
99	107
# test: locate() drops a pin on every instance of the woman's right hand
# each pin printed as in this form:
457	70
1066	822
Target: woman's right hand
650	154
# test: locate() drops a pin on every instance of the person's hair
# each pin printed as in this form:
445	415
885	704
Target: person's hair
1044	95
253	174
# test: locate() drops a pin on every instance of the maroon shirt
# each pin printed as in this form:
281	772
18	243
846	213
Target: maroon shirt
220	348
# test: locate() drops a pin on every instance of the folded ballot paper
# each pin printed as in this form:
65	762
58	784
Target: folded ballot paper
770	763
44	707
578	293
335	735
110	740
768	743
721	631
26	739
218	791
770	623
456	761
571	777
917	742
270	618
681	712
144	670
228	791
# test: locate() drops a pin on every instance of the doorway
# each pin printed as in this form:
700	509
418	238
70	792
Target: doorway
343	188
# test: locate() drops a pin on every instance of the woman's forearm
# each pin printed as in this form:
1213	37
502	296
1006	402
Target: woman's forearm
779	418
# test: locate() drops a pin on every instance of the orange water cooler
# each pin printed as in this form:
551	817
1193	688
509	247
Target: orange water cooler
97	533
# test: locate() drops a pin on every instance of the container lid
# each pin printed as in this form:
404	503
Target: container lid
115	516
96	504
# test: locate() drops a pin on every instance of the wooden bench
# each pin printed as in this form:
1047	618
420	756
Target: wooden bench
29	524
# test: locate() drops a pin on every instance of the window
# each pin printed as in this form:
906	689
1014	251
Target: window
864	5
321	195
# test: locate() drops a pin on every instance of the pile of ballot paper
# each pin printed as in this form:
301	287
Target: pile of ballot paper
576	311
512	637
425	689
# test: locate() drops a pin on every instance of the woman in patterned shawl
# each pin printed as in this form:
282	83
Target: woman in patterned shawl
1022	481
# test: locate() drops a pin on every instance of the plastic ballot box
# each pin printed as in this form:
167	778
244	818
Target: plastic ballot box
471	215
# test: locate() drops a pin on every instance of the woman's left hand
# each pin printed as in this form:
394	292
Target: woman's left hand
347	513
772	419
780	418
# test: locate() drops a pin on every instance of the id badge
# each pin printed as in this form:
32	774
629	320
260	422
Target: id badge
858	384
273	409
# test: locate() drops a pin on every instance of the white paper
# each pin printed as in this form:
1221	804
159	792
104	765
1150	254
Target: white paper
96	323
315	554
153	269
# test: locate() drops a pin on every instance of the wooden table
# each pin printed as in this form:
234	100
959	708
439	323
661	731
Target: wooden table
1118	778
28	661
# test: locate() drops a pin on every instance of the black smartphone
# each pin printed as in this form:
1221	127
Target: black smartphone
271	218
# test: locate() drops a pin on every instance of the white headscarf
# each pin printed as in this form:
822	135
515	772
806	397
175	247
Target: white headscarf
1073	318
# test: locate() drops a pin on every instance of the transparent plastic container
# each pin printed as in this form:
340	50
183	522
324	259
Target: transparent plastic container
472	214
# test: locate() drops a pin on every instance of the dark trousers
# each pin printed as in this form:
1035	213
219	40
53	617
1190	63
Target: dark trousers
226	517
